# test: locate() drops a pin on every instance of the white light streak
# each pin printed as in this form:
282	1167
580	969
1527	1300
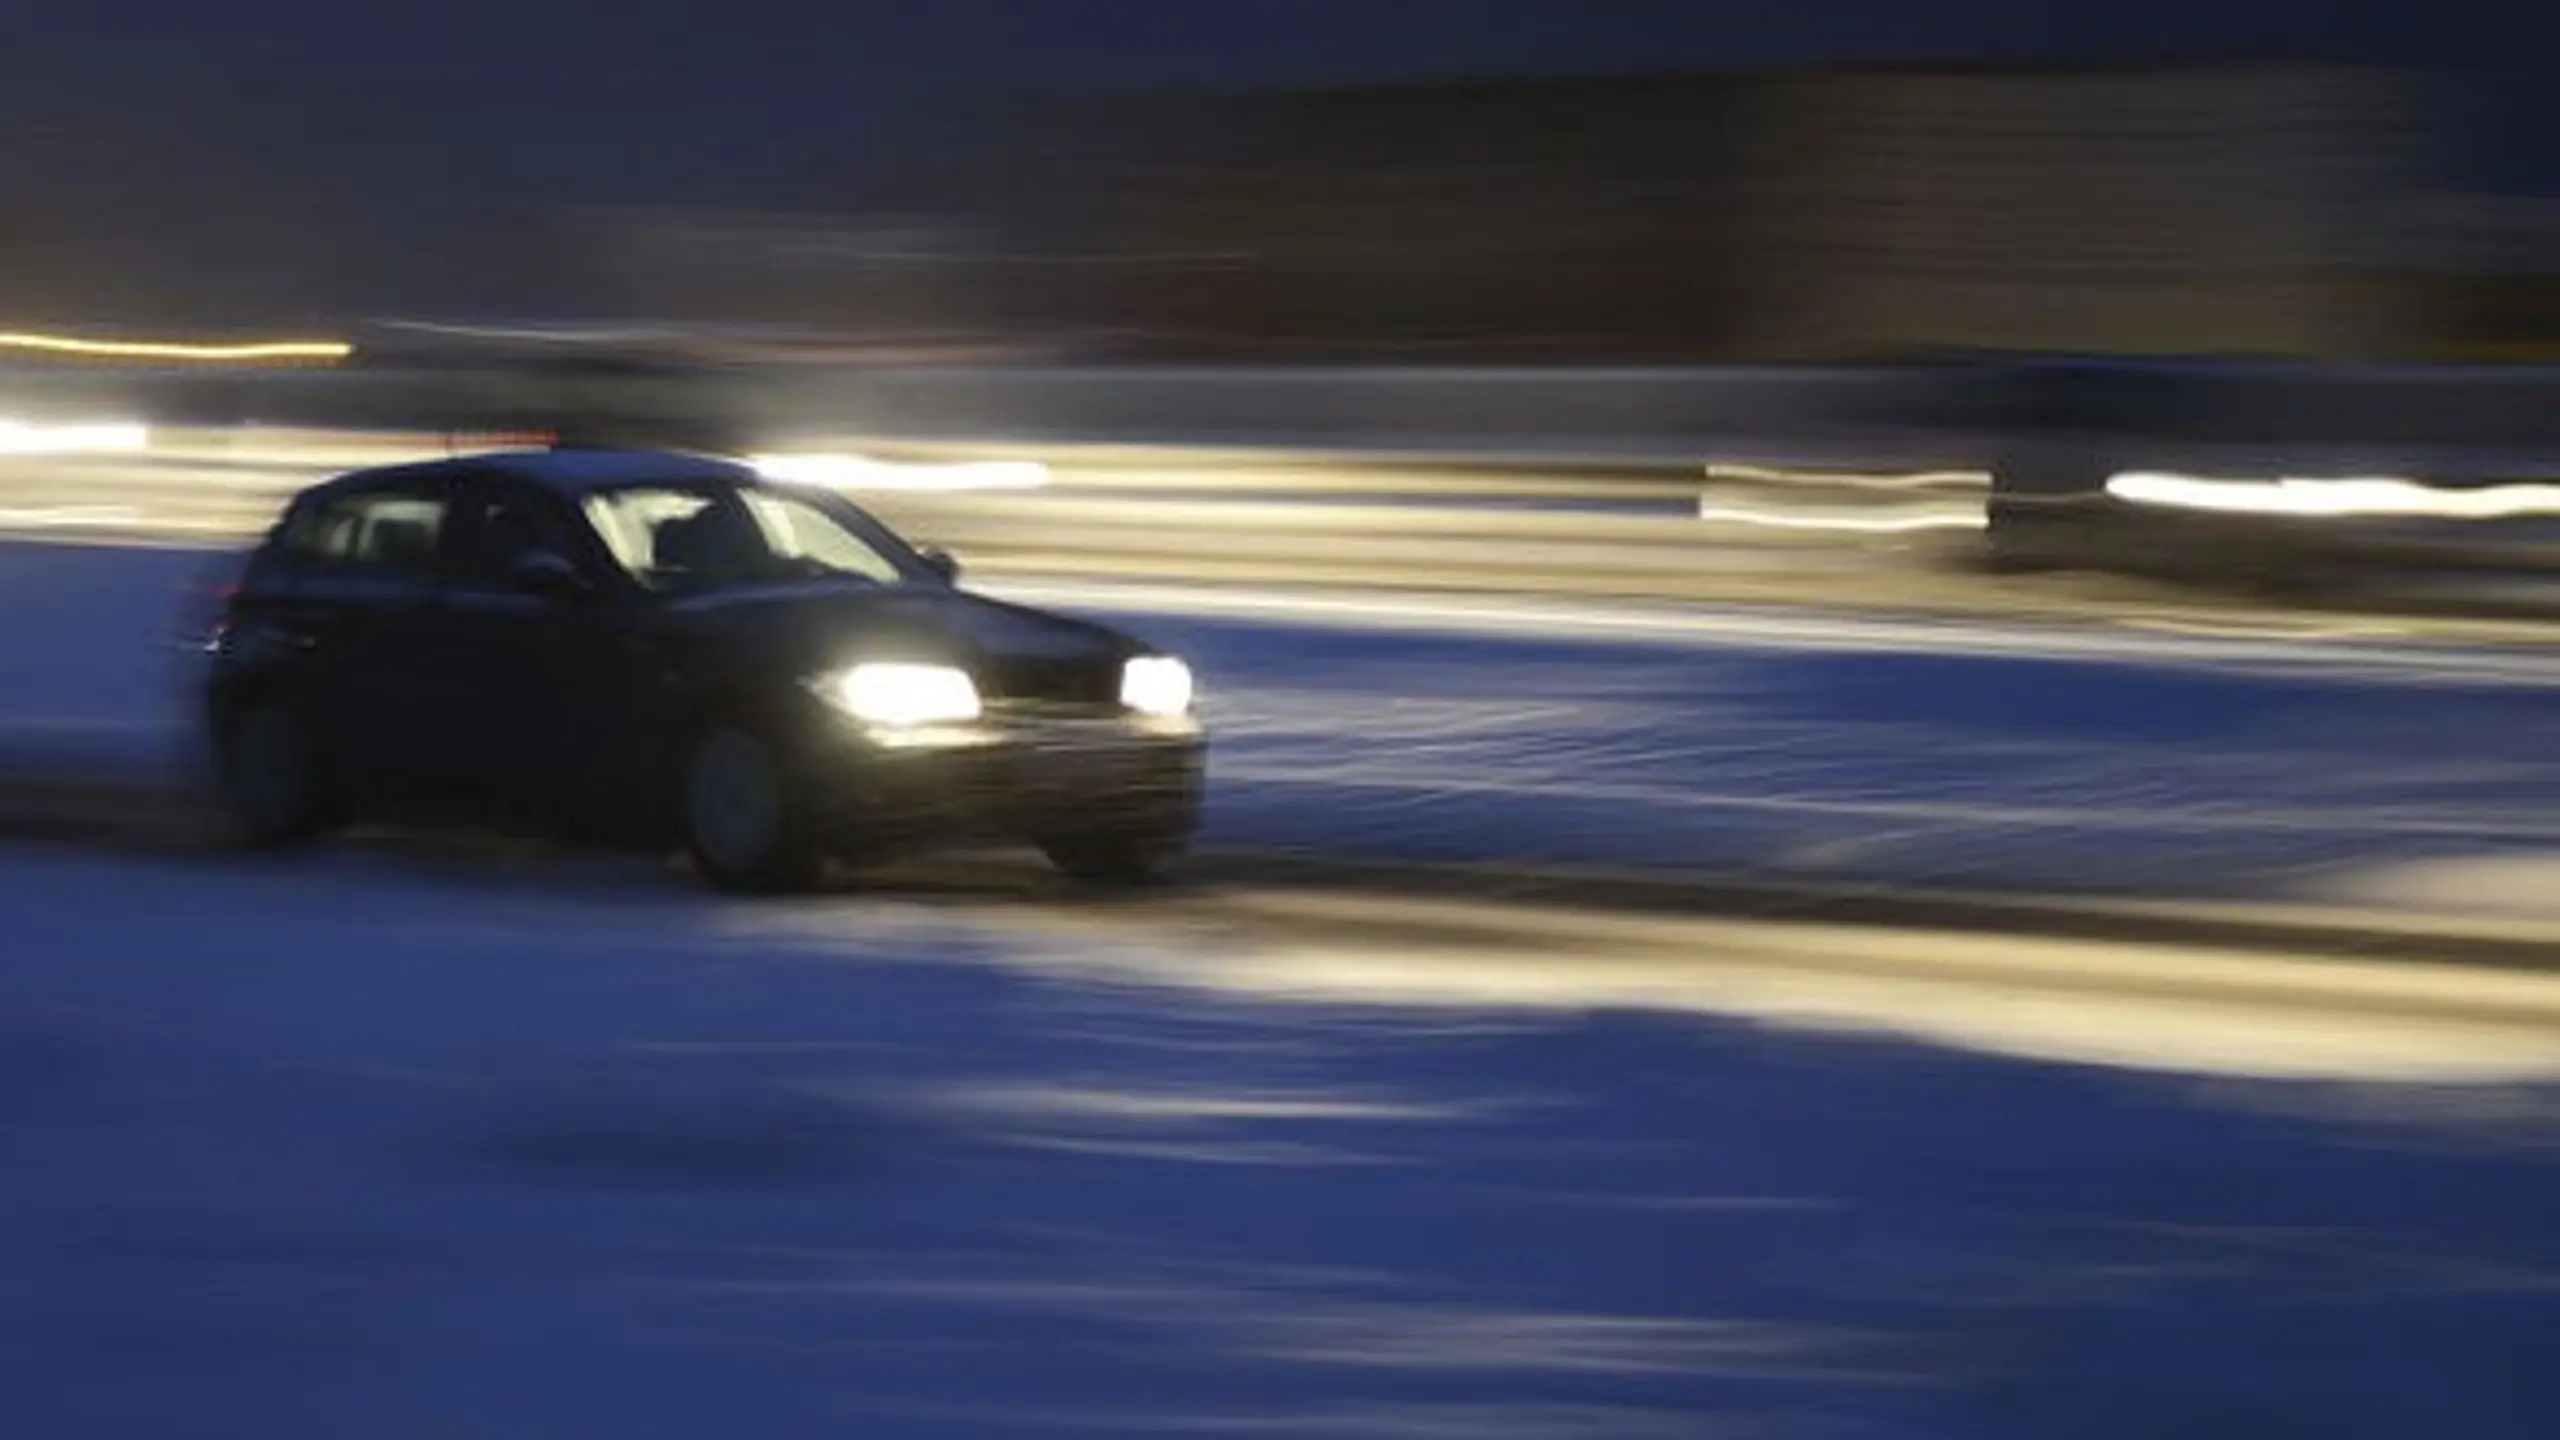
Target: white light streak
859	472
18	437
2375	496
1892	523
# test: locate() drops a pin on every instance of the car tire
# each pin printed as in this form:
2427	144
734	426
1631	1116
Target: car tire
270	777
743	827
1109	859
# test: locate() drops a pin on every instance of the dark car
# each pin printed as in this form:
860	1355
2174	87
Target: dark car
659	649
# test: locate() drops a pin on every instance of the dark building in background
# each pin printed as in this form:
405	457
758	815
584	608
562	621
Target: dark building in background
2220	209
2266	210
2497	269
207	209
1792	216
1549	221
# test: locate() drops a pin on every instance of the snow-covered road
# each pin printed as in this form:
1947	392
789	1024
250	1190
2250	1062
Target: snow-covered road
1845	748
365	1146
385	1145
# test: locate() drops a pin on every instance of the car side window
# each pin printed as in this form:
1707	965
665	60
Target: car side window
493	527
797	530
374	535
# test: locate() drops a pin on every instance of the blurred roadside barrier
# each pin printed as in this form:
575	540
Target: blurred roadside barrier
1653	482
1671	532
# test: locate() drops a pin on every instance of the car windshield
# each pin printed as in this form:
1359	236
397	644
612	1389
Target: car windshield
696	539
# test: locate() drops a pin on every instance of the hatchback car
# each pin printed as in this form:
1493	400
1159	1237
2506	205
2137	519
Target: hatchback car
663	649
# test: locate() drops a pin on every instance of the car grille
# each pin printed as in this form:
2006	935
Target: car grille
1046	684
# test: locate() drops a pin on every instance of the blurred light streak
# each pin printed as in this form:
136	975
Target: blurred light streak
1904	523
18	437
273	350
2119	1004
2339	498
71	517
563	333
1912	480
1657	623
858	472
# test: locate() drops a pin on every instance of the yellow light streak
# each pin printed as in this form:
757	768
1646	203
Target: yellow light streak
270	350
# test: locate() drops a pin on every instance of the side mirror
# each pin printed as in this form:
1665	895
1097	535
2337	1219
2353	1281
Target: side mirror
944	565
549	576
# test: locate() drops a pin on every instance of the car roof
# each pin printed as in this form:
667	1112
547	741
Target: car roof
570	472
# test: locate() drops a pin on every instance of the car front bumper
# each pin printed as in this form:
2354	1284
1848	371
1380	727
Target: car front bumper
1011	777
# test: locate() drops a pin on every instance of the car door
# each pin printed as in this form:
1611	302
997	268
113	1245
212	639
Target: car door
355	616
523	671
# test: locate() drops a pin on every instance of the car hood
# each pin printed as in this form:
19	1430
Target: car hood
810	629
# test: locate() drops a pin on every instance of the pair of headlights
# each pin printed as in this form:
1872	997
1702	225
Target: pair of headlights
899	694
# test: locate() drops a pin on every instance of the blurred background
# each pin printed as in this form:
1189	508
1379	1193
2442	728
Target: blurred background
1623	181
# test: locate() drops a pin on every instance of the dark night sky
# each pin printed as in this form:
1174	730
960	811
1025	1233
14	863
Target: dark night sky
646	98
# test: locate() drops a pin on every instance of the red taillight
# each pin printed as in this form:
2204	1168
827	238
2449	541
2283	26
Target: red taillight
206	608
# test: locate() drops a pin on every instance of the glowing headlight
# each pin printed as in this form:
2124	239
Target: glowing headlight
901	694
1156	685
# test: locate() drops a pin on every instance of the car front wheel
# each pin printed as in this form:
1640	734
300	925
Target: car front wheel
1108	859
742	825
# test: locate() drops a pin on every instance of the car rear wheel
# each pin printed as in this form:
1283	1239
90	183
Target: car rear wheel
270	777
742	825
